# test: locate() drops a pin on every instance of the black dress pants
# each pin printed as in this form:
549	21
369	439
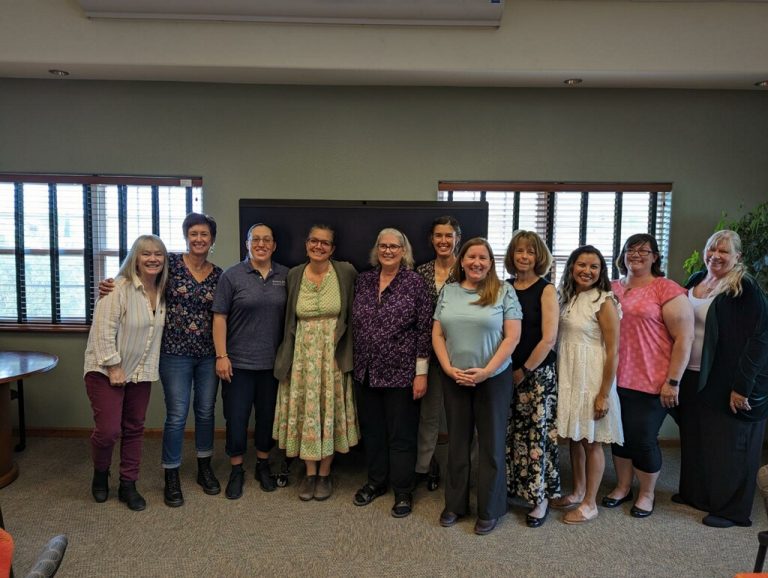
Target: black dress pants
389	422
720	457
485	407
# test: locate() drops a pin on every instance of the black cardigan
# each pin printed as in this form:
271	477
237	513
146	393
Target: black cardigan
735	352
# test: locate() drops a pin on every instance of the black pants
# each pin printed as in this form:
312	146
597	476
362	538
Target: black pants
641	417
485	407
389	422
249	389
719	456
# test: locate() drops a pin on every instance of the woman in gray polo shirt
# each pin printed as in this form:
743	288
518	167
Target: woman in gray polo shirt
248	312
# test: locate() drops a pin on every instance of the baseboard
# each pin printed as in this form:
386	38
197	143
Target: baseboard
220	433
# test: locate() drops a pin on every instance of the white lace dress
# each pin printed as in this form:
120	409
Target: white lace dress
580	359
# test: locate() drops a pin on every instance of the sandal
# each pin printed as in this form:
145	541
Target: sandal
563	503
367	494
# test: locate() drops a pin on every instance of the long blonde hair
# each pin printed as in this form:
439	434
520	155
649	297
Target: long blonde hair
129	268
731	281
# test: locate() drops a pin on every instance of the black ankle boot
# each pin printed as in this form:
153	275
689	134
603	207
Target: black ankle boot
128	493
100	485
264	475
235	485
282	479
172	493
206	478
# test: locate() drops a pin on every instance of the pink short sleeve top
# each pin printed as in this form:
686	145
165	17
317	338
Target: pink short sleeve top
645	345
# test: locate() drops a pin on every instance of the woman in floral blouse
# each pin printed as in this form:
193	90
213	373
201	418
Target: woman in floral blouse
445	237
391	332
187	356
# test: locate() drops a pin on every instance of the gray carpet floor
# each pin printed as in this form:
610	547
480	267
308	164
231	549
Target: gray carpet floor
275	534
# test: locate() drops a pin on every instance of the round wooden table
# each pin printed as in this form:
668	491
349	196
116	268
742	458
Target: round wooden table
15	366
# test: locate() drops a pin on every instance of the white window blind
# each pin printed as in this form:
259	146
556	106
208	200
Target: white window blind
568	215
61	234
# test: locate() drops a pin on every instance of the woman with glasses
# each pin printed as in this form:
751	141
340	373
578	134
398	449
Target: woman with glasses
391	327
315	415
445	237
476	329
248	317
656	335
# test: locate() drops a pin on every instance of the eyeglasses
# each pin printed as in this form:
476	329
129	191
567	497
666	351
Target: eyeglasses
389	247
321	242
639	252
264	240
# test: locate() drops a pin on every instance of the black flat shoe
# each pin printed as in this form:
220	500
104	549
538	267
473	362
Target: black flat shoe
718	522
534	522
448	518
403	506
636	512
678	499
607	502
368	494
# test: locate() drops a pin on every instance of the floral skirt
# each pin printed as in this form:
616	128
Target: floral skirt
533	471
315	414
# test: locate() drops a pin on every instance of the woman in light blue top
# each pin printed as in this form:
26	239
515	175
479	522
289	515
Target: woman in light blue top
476	329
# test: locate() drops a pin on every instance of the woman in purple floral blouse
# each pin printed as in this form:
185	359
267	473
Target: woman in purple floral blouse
391	324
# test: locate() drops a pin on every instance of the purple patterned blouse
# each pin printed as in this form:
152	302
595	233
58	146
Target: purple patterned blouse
188	321
390	334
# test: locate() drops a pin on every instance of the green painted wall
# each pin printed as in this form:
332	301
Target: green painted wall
250	141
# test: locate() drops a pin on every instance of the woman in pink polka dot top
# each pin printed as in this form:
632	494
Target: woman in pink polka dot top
654	345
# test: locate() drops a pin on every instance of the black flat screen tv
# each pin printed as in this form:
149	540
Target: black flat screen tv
356	224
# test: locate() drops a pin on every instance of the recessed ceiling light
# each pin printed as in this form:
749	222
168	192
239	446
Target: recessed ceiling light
762	84
57	72
572	81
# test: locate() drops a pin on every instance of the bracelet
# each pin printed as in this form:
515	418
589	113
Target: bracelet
222	356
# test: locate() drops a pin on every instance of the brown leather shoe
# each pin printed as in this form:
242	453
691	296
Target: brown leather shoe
483	527
307	488
323	488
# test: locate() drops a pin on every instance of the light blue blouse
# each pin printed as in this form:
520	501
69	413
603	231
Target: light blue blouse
473	333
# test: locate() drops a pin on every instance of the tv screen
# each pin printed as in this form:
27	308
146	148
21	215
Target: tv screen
356	223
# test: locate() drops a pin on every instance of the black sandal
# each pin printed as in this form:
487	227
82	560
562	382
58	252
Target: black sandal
367	494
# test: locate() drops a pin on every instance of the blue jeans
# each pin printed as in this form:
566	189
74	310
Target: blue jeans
180	374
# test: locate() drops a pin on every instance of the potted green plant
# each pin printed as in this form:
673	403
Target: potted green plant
753	230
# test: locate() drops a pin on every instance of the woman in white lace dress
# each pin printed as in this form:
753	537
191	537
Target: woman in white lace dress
588	412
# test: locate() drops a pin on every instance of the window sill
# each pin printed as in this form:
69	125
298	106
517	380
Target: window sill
44	328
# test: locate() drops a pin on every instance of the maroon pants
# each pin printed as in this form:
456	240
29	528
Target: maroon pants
118	413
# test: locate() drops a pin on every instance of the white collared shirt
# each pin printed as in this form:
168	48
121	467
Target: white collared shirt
126	331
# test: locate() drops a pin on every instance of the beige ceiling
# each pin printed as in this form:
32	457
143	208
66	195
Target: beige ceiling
608	43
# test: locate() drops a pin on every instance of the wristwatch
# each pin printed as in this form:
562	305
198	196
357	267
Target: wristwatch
673	382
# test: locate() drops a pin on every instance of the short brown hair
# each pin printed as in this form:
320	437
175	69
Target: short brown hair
544	257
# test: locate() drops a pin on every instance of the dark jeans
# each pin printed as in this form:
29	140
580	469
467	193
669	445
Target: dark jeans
389	420
641	417
249	389
118	413
485	407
